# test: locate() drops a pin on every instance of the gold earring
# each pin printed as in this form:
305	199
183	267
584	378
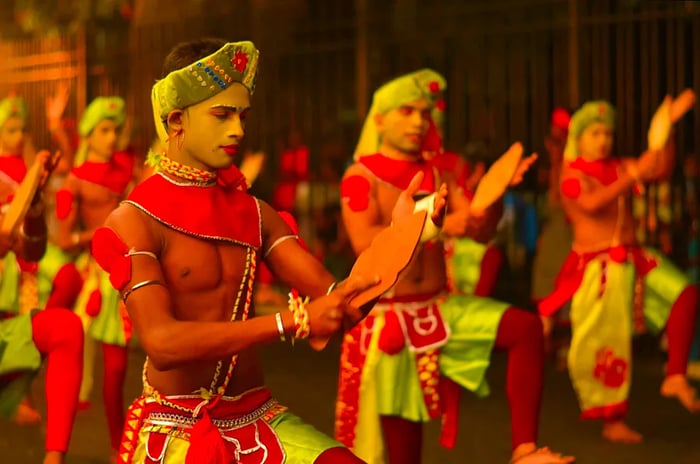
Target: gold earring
180	138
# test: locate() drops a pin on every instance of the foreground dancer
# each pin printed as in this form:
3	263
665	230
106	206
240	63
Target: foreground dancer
183	251
393	363
616	287
26	339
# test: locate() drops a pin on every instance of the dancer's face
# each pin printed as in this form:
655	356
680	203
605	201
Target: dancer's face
12	136
213	128
102	140
595	142
403	129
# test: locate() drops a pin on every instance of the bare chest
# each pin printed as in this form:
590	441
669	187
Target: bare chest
192	265
386	196
97	196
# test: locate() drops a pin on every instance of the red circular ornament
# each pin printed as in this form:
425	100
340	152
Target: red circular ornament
434	87
571	188
440	104
618	254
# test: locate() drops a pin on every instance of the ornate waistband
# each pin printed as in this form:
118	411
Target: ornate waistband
265	411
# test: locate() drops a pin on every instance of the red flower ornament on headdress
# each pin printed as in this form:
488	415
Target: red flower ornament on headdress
434	87
240	61
440	104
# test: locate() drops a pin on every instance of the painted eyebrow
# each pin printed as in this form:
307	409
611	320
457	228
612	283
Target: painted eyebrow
234	109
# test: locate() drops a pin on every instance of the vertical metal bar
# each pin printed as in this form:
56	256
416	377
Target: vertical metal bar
361	66
573	53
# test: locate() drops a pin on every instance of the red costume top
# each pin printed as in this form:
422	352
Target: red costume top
114	174
218	211
355	190
14	167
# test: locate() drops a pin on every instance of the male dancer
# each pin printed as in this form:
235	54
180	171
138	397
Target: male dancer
392	363
183	250
616	287
92	190
25	339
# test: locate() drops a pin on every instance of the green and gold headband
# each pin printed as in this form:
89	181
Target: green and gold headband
424	83
99	109
13	106
234	62
590	113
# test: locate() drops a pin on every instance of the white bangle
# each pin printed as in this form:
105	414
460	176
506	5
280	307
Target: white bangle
331	287
280	327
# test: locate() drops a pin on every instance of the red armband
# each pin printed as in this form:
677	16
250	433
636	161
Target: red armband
355	191
571	188
111	253
64	203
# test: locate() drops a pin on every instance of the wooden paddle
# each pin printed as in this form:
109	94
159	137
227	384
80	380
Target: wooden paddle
497	179
23	196
387	256
22	199
660	128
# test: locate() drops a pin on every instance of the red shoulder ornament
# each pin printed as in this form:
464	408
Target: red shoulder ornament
112	254
354	190
571	187
64	203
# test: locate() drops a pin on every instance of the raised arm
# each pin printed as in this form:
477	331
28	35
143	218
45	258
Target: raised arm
55	108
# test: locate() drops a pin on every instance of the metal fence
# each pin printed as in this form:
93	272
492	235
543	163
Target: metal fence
507	62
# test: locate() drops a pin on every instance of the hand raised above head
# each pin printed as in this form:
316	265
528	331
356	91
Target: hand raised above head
56	105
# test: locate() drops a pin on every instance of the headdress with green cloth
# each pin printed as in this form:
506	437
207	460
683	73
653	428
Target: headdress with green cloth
590	113
98	110
234	62
13	106
424	83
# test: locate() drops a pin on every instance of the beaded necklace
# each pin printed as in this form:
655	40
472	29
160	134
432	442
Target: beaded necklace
177	169
212	395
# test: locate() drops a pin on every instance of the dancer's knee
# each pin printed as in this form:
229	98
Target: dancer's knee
338	456
69	327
